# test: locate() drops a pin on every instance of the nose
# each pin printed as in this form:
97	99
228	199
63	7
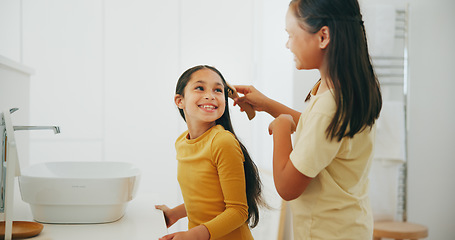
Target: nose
287	44
208	95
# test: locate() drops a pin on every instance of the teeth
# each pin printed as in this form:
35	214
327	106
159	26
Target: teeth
208	106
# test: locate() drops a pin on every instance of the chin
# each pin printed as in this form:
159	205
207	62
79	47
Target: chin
299	67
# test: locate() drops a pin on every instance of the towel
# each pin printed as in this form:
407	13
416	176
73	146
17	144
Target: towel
384	186
380	28
390	133
388	158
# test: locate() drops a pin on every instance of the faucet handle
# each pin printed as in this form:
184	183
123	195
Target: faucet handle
13	110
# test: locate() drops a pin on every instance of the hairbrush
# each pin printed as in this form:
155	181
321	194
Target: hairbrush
232	93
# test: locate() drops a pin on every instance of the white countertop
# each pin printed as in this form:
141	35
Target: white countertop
141	221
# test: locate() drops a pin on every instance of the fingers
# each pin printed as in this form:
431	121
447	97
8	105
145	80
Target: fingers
243	103
168	237
291	121
241	100
282	122
165	210
162	207
238	103
244	89
251	101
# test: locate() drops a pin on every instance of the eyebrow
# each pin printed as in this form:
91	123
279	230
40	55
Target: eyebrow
204	82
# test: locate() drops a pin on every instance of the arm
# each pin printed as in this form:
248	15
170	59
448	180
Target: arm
289	182
172	215
228	159
262	103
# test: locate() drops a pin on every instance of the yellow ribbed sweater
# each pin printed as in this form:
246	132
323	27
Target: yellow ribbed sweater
212	181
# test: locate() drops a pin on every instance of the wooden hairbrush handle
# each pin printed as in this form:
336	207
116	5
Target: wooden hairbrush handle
232	93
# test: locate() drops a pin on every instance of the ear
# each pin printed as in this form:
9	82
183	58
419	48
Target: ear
324	37
178	99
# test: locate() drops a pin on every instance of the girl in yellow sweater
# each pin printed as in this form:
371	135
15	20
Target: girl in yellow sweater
219	182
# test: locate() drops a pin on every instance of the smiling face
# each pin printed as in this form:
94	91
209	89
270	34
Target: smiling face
307	47
203	101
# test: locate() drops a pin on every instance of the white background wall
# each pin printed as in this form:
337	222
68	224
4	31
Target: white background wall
432	115
106	72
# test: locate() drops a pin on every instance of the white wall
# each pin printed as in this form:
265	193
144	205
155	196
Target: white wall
10	26
432	116
106	71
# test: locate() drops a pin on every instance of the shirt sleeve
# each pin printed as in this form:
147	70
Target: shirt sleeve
228	158
313	151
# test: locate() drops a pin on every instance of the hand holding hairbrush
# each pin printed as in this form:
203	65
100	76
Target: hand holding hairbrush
232	93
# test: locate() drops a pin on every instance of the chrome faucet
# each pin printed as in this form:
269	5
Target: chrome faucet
55	128
4	136
16	128
3	144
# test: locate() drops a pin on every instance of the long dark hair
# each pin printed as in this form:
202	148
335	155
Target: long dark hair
356	87
252	180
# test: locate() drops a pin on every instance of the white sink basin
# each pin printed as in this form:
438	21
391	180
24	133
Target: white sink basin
79	192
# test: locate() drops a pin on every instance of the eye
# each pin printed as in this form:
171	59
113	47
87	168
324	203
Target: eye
199	88
219	90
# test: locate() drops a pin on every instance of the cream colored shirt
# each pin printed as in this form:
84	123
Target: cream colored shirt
335	205
212	181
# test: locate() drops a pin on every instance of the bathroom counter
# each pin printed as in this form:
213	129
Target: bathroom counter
141	221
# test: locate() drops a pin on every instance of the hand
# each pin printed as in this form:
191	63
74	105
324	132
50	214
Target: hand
197	233
176	236
168	215
251	96
282	122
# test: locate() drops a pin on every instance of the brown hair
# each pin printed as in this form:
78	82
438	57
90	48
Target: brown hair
356	87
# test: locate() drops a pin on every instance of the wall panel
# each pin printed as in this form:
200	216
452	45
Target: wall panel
141	67
63	41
